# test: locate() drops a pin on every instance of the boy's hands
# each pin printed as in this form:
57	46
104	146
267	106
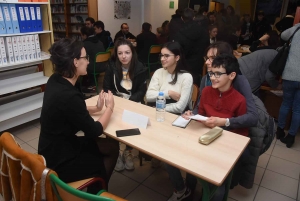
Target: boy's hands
187	114
214	121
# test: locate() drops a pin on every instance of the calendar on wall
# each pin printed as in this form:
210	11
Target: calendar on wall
122	9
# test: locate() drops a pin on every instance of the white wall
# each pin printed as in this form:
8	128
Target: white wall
106	15
154	12
157	11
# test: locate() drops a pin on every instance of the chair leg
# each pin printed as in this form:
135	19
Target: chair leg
141	158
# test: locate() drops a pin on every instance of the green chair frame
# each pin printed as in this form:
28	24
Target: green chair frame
110	49
154	49
55	181
99	58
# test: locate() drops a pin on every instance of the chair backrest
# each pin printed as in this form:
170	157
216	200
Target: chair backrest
110	49
155	49
22	173
195	95
102	57
66	193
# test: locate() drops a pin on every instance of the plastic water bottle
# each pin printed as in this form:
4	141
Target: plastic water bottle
160	107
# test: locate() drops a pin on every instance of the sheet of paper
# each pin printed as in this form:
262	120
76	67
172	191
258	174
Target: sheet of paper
199	117
136	119
181	122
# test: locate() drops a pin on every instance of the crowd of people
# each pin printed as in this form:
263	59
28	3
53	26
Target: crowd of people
189	41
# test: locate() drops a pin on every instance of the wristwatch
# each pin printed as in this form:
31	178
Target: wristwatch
227	123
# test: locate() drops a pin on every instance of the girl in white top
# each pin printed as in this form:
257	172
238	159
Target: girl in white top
172	79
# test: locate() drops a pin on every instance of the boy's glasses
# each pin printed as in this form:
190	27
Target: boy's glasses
216	74
165	56
87	57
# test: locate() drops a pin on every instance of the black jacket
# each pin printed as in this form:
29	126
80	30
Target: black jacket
194	39
144	41
104	37
175	25
139	85
260	28
121	35
92	46
284	23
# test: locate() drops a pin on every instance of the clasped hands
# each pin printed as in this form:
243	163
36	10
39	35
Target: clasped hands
211	122
107	99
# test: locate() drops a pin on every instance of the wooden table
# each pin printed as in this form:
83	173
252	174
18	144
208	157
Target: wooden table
177	146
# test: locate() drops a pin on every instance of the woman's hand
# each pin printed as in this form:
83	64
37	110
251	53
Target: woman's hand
214	121
174	95
109	100
100	101
187	114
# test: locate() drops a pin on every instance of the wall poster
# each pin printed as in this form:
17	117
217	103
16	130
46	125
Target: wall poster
122	9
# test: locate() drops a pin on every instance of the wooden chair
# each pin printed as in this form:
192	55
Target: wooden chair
101	57
110	49
195	95
24	176
65	192
154	49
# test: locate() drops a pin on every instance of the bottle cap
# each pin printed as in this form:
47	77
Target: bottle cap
161	93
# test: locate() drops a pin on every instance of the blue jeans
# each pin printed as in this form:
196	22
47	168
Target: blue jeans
291	100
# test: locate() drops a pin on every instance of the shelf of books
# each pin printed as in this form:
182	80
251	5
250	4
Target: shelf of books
25	38
68	16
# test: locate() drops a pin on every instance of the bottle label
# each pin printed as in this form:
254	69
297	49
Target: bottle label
160	105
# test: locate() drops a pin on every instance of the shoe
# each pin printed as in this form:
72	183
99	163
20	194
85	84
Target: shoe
155	163
177	196
280	133
288	140
128	160
120	164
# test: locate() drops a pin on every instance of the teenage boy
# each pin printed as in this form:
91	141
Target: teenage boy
221	99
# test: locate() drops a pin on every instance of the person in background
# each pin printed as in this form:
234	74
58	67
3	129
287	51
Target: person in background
124	33
268	41
144	41
247	28
176	83
234	38
212	20
193	40
232	19
202	21
161	38
213	32
291	89
89	22
175	24
260	26
165	27
64	113
286	22
92	46
126	77
203	10
102	35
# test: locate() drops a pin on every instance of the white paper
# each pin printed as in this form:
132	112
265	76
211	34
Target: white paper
136	119
199	117
181	122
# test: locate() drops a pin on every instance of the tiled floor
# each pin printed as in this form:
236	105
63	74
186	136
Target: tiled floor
277	174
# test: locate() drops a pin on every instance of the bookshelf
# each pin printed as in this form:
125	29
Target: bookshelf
22	83
68	16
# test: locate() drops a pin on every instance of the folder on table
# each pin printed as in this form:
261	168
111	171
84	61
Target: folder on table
38	18
21	18
14	18
3	51
33	18
7	18
2	23
10	51
28	18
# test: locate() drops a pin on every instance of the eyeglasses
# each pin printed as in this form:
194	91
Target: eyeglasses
211	59
165	56
216	74
87	57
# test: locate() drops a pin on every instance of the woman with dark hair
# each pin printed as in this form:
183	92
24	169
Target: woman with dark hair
172	79
212	20
232	19
126	77
64	113
261	26
213	32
